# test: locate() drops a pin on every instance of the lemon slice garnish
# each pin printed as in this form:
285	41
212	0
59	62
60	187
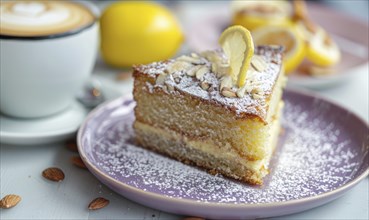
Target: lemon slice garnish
294	47
321	49
238	46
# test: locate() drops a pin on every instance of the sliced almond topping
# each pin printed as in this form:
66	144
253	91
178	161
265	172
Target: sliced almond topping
54	174
192	71
204	85
98	203
178	66
201	72
192	60
258	63
228	93
223	70
226	82
194	55
161	79
241	91
9	201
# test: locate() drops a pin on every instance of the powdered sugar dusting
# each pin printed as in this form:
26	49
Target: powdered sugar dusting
314	156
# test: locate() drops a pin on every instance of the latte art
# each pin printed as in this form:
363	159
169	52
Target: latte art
42	18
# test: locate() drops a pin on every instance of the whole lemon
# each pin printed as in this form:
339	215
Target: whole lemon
138	33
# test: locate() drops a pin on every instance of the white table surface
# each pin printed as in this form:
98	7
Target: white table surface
21	168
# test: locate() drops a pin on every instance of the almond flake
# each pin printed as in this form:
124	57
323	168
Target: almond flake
226	82
194	55
54	174
241	91
9	201
192	71
204	85
201	72
258	63
192	60
178	66
160	79
228	93
98	203
77	161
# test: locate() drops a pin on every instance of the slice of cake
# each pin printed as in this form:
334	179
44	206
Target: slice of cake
191	109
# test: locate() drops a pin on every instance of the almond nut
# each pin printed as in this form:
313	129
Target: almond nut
241	91
178	66
226	82
228	93
192	60
204	85
201	72
54	174
258	63
9	201
98	203
192	71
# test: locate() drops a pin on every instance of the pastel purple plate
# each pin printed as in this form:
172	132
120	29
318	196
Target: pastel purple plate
322	153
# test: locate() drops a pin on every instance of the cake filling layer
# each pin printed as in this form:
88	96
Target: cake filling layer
203	152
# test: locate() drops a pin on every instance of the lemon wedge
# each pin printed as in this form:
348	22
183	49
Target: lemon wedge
294	47
238	46
321	49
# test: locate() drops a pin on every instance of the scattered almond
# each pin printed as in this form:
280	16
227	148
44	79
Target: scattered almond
9	201
53	174
228	93
98	203
201	72
204	85
258	63
77	161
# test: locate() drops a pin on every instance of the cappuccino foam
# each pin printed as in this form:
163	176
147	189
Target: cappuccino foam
42	18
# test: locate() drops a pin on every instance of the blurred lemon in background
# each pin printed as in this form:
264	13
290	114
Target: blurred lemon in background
255	14
321	49
138	33
294	46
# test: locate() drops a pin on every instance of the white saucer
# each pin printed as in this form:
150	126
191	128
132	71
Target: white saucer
42	130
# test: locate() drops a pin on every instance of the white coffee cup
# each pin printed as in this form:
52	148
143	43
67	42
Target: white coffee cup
40	75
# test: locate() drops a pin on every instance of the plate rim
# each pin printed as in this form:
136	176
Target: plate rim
185	201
